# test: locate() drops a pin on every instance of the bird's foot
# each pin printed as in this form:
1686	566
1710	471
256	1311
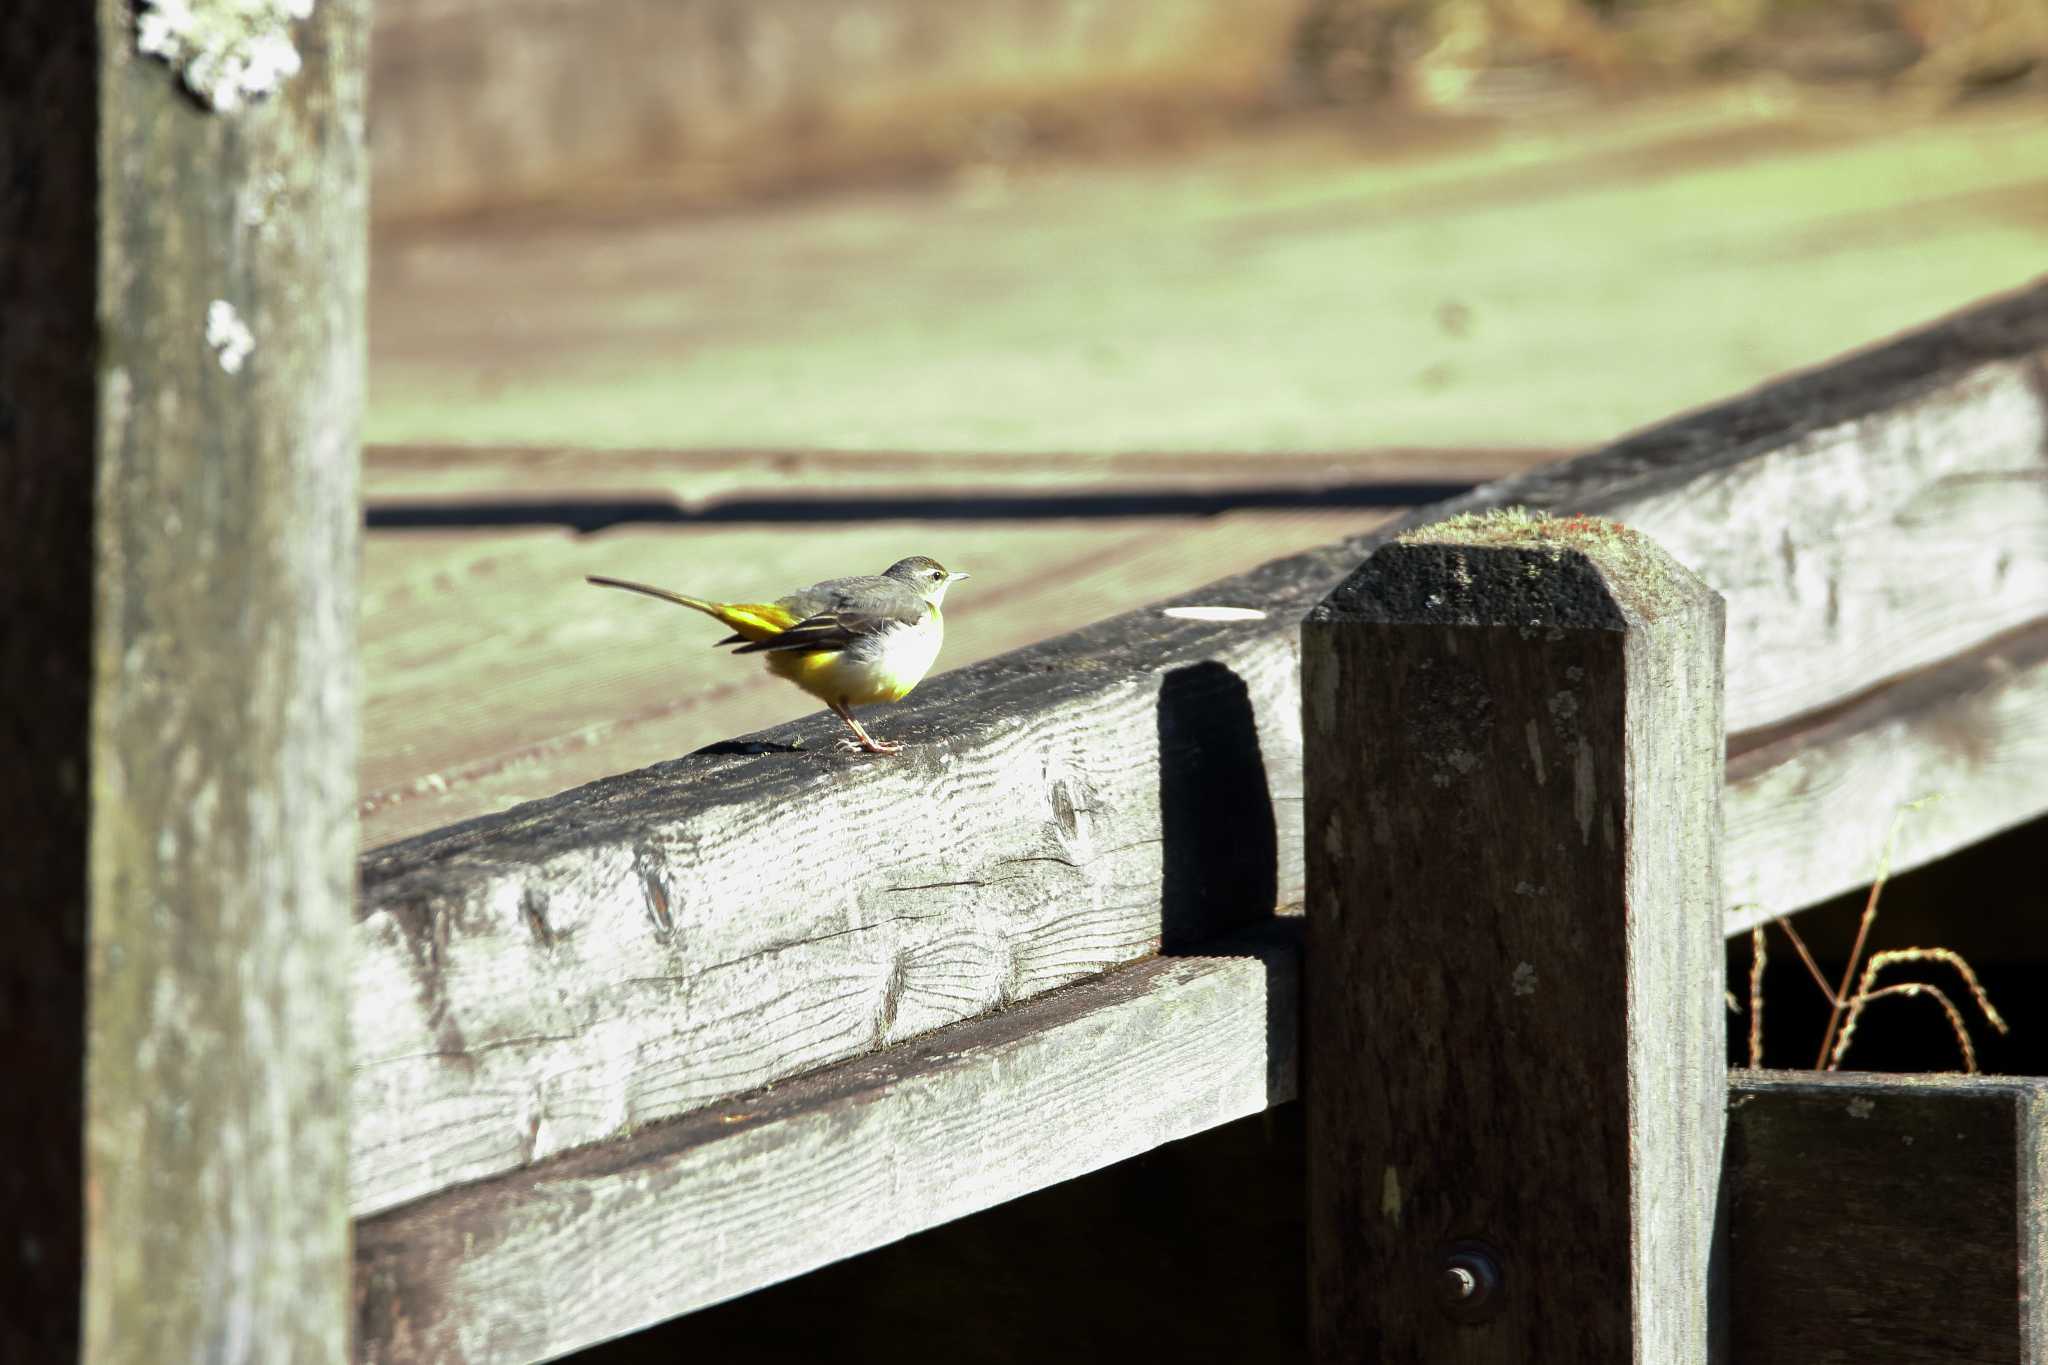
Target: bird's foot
868	744
862	740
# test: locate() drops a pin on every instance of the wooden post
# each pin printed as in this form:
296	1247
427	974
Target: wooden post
1513	1055
182	240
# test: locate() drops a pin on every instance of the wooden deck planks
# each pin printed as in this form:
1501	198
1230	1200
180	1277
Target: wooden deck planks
1549	282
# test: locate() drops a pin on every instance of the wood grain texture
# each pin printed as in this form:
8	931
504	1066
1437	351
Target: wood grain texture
1864	520
751	1191
1893	1218
223	720
1512	1035
1824	1184
1809	806
644	946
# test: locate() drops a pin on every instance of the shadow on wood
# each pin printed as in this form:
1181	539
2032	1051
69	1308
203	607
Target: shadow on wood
588	515
1219	854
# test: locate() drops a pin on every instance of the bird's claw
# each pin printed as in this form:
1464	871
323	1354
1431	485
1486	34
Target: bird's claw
879	746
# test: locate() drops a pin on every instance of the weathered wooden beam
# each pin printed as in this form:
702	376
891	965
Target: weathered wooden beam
1513	1047
415	1257
648	945
1810	805
182	273
553	1258
1893	1218
745	1193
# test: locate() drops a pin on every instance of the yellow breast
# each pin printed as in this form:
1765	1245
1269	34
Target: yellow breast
882	669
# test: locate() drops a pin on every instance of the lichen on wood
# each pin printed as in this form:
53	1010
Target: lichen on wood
227	52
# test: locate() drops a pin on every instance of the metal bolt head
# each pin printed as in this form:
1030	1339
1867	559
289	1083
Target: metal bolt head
1468	1281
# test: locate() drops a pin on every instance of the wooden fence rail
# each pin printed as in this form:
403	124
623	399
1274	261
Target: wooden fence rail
533	982
1894	1218
575	972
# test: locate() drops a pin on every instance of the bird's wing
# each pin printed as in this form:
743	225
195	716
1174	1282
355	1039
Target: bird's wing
843	612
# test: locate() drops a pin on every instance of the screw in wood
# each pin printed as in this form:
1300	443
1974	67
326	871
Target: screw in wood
1469	1281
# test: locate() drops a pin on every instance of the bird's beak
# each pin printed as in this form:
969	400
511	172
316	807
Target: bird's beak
956	577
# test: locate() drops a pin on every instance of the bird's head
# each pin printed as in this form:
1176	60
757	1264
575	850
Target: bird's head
928	576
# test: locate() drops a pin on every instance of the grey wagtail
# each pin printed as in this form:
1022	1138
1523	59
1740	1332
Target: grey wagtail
846	641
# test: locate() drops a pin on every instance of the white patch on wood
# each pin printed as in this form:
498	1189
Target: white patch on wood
1861	1108
1524	980
1536	753
1213	613
1585	791
227	52
228	335
1390	1196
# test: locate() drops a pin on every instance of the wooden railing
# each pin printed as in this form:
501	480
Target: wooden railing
660	1040
1116	812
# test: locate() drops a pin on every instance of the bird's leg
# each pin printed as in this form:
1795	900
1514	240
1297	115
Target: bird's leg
866	740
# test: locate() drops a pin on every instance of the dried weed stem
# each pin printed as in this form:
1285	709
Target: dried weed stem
1847	1006
1865	994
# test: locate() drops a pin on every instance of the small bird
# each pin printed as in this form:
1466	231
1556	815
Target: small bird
847	641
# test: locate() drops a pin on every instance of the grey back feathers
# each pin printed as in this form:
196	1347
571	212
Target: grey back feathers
845	613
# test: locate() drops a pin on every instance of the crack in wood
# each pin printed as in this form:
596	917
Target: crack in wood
533	907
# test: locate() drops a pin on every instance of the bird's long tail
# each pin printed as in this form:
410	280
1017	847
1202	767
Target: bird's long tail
748	621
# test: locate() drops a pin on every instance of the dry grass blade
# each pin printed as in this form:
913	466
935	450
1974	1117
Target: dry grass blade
1756	998
1846	1007
1953	959
1843	1002
1892	956
1909	989
1806	956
